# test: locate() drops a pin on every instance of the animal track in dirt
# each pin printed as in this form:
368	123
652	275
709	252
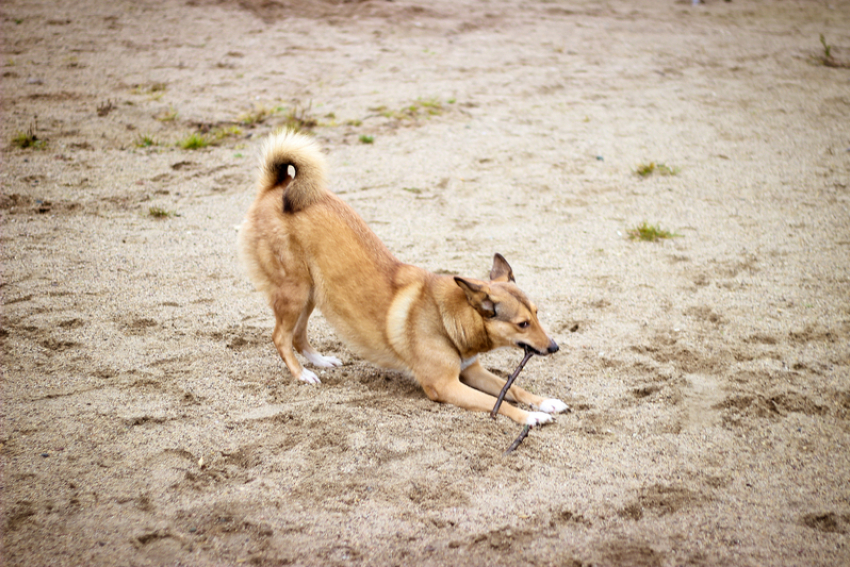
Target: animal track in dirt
660	500
665	349
16	203
631	553
828	522
136	325
502	539
762	339
247	339
646	391
721	272
704	314
816	333
230	182
436	496
58	345
566	516
228	527
17	515
573	326
737	406
74	323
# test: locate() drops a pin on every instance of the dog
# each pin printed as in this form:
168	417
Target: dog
304	247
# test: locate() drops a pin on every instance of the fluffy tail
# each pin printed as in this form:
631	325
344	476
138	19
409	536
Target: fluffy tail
285	149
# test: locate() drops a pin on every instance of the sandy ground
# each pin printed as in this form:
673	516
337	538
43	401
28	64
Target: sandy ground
148	420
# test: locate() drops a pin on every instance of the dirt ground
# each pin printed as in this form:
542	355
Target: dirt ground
147	419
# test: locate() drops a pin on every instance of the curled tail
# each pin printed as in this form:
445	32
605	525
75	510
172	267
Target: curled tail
285	149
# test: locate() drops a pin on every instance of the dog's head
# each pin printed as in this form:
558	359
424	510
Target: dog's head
509	316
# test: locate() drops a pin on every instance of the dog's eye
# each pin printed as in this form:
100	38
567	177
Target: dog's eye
523	325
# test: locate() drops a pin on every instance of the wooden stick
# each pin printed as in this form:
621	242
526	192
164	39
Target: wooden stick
528	354
519	439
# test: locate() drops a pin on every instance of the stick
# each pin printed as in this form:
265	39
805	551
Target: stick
528	354
519	439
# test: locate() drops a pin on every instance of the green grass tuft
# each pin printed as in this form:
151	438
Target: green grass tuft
299	119
194	141
223	132
647	169
257	116
145	141
420	108
827	59
160	213
28	140
650	233
827	48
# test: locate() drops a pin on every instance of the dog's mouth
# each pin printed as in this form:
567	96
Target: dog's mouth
553	348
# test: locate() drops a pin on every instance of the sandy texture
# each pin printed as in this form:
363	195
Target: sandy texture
148	420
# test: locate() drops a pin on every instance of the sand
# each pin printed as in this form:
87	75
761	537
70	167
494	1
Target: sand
147	419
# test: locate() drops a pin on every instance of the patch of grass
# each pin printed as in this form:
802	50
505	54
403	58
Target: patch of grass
299	119
827	49
258	115
154	91
145	141
194	141
219	134
827	58
149	88
28	139
160	213
420	108
364	139
208	136
650	233
169	115
647	169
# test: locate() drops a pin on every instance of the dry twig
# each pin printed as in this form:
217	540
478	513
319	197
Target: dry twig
528	354
519	439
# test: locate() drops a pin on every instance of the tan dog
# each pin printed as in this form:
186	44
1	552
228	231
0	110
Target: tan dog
304	247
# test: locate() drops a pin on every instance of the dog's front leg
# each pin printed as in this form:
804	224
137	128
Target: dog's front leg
482	379
289	304
302	343
447	388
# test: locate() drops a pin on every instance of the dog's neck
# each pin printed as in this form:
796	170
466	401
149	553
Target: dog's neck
467	331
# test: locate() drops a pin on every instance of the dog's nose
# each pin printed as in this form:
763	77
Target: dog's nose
553	347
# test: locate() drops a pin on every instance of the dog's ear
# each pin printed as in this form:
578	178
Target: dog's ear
501	271
477	294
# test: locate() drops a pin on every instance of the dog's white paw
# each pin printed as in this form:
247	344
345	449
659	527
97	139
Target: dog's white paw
536	418
309	377
320	361
553	406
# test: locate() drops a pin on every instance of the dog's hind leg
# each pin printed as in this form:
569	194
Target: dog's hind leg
289	304
302	343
